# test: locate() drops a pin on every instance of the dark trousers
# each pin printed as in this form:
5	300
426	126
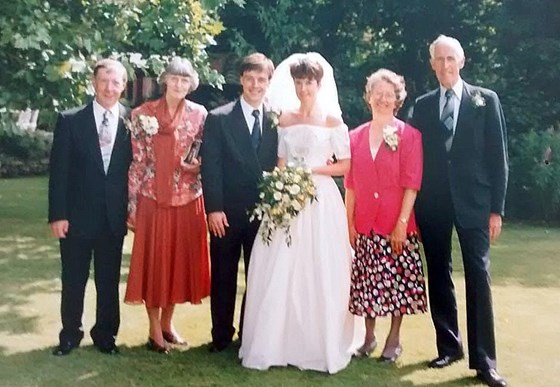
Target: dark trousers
475	245
76	254
224	256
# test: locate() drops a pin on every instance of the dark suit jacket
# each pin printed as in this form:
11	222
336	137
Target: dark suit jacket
79	190
475	171
231	168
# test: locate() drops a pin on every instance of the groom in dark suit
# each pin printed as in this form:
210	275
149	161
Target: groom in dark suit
240	141
464	185
88	193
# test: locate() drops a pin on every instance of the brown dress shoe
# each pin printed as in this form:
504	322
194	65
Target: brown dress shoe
172	338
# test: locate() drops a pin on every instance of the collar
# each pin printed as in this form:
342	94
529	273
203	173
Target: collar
457	89
248	109
99	110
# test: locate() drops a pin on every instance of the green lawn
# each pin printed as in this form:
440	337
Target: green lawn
526	293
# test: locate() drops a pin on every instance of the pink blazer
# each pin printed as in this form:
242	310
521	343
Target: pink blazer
379	184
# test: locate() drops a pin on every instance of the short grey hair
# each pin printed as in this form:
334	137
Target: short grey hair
448	41
182	67
396	80
110	64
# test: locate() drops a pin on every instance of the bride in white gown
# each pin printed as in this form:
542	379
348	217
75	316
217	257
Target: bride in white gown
296	310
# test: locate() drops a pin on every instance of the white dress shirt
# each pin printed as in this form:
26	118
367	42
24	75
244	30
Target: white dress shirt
248	114
113	118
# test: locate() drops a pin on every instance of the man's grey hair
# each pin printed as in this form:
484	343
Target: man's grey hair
450	42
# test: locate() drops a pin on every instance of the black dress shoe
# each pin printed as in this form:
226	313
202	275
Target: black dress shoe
64	348
445	360
491	377
109	349
215	347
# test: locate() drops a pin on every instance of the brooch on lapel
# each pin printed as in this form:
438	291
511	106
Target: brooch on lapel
391	137
478	100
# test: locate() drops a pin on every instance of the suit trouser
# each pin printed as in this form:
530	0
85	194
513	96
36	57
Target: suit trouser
76	254
475	246
224	256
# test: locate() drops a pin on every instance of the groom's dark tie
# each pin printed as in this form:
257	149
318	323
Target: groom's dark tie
256	133
447	117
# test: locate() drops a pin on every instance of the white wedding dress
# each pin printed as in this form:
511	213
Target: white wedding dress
296	310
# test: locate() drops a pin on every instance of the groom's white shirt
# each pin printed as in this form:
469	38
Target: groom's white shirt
248	113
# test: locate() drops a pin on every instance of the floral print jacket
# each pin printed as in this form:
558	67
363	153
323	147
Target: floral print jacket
141	176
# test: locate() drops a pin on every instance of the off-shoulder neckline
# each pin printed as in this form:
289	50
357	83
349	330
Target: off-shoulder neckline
313	125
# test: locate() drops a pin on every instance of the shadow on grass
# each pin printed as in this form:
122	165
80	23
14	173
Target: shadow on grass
195	366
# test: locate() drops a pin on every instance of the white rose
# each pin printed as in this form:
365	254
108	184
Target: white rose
277	196
294	189
279	185
295	205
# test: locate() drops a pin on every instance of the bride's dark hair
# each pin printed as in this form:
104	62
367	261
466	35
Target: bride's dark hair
306	68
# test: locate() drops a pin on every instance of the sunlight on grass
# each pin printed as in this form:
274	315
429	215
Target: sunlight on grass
526	291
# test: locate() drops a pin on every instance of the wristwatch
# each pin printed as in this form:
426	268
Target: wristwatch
403	220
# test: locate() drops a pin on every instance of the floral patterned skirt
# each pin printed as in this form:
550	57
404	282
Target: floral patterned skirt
384	284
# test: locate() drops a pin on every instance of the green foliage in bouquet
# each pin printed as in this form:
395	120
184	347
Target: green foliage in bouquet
284	192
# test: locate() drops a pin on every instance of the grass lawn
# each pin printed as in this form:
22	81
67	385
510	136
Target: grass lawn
526	284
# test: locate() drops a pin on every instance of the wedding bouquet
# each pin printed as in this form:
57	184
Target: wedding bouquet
284	192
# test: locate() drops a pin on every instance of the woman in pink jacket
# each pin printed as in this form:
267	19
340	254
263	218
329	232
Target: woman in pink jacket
381	186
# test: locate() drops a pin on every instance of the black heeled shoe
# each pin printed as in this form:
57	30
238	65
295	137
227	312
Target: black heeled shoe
172	338
155	347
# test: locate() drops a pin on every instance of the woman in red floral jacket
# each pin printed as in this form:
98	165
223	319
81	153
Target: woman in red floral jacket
169	263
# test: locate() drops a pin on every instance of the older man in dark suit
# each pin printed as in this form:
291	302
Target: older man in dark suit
239	143
464	185
88	193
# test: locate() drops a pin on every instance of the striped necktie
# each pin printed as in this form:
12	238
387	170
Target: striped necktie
105	140
447	117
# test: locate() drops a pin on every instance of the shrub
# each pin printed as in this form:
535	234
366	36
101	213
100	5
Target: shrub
534	190
23	153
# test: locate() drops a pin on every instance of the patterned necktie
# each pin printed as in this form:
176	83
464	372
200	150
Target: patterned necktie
256	133
447	117
105	140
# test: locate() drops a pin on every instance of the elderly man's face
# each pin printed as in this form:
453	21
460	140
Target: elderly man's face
109	85
447	65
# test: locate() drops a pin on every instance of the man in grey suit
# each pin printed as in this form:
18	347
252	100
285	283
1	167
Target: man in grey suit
240	141
463	185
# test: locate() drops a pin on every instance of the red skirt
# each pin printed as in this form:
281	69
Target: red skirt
170	262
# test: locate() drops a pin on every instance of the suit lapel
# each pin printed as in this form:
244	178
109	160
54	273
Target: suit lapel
90	136
269	133
242	139
120	138
465	112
